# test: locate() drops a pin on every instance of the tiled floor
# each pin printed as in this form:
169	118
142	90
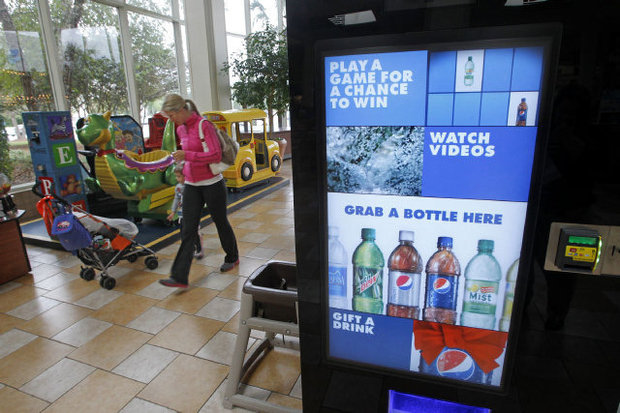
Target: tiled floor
67	345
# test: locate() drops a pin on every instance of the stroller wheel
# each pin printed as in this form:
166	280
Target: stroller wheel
132	258
87	274
107	282
151	262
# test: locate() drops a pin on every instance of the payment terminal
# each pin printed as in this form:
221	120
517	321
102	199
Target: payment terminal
578	248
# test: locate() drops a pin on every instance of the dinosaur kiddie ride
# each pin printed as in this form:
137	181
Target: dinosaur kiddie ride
258	158
146	181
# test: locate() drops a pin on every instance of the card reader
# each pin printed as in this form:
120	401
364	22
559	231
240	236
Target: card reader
578	248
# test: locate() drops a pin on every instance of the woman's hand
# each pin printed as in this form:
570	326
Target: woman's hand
178	156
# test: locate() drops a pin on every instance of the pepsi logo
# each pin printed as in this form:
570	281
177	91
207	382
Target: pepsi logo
441	285
404	282
455	364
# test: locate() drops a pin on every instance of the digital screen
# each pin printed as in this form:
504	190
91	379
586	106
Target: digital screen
429	154
582	240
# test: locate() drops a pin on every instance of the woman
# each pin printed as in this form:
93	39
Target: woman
201	186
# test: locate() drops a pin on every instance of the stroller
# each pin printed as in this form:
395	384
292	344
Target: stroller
98	242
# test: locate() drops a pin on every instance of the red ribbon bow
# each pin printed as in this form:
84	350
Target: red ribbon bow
483	345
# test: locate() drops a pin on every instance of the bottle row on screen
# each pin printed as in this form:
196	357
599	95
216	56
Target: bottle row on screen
482	277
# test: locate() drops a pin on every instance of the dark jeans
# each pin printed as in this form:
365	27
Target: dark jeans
198	245
194	197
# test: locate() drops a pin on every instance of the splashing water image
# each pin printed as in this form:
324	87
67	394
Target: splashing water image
376	160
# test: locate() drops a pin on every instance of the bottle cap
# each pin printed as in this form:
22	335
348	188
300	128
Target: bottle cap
333	231
486	245
405	235
368	233
522	99
444	242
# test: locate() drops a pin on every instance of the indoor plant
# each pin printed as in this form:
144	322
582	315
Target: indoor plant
262	73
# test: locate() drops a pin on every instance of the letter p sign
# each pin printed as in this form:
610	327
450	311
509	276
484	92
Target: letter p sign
47	185
64	154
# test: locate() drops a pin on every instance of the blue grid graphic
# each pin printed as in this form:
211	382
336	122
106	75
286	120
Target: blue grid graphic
504	72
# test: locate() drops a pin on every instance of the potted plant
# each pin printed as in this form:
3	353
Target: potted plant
262	71
281	144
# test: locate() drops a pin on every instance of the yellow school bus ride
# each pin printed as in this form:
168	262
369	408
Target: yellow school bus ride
258	158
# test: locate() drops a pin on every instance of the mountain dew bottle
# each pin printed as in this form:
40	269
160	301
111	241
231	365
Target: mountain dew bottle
482	276
368	266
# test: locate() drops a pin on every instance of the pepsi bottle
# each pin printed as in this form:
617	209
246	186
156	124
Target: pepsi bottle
368	266
337	262
405	269
482	276
522	113
442	272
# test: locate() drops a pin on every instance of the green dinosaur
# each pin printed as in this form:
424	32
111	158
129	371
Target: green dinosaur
125	174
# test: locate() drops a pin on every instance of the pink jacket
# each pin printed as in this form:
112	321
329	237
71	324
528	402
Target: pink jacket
196	160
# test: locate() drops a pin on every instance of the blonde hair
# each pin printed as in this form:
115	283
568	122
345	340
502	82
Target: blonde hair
174	102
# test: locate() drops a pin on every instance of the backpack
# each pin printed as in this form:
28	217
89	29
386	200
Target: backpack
229	149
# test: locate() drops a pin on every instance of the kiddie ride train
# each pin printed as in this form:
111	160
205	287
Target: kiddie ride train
147	180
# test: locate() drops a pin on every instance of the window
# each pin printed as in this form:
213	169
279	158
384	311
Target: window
25	83
263	12
155	65
157	6
24	79
235	16
89	51
235	46
88	65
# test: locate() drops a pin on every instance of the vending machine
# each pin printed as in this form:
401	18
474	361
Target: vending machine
411	249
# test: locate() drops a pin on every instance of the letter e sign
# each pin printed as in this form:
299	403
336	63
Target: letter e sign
64	154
